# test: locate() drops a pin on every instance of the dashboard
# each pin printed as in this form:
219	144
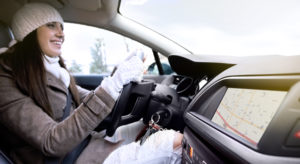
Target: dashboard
248	112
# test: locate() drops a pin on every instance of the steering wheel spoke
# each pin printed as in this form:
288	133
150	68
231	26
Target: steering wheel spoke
130	106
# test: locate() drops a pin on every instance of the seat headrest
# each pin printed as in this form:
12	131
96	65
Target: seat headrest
5	35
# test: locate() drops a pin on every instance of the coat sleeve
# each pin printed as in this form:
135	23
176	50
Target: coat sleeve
23	117
82	92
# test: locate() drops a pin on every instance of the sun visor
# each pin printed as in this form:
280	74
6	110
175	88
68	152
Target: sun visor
88	5
199	66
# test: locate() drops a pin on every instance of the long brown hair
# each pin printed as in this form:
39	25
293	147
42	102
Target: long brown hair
25	59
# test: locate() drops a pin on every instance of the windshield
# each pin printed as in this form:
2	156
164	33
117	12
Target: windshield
223	27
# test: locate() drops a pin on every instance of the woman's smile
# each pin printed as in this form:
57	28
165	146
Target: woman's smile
51	37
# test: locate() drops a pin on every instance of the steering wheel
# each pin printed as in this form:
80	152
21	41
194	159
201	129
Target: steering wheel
130	107
119	109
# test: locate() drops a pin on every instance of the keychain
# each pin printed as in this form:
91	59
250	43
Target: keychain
153	127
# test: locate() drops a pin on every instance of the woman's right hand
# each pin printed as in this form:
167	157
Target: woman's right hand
129	70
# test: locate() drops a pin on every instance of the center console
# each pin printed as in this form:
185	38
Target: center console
244	119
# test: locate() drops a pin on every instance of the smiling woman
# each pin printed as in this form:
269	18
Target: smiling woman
51	37
44	115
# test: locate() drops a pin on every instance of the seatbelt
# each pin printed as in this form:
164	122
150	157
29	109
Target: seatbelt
68	106
72	156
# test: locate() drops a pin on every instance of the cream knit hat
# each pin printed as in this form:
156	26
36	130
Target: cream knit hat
31	16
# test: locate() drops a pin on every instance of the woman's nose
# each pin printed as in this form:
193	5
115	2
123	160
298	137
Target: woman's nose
60	32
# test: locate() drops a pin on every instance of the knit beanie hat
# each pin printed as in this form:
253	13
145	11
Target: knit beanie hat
31	16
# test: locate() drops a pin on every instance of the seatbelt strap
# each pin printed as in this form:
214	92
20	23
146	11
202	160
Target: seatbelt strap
72	156
68	106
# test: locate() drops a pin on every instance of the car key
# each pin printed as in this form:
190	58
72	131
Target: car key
153	127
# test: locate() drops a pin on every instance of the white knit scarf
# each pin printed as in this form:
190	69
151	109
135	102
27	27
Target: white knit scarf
53	67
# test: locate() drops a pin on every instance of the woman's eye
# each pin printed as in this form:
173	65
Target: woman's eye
50	25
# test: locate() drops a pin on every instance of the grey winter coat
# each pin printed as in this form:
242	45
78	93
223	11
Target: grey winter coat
29	134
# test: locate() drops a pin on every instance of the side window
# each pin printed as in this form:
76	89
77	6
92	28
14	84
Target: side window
152	69
89	50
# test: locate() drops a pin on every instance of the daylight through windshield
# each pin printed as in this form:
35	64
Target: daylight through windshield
217	27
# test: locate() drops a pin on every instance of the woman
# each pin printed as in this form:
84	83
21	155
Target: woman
34	86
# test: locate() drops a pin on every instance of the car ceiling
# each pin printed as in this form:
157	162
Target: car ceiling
102	14
75	11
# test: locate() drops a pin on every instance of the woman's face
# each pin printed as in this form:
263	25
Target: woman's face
51	37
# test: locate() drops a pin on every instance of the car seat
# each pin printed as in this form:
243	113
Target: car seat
6	36
4	159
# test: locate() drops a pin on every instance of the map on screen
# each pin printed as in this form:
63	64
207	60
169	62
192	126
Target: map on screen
248	112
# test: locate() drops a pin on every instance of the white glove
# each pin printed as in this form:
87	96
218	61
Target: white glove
158	148
130	70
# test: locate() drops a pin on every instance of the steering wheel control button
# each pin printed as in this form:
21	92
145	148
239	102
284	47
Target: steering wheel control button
294	136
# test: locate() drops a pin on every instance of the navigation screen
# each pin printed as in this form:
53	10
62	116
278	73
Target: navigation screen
248	112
